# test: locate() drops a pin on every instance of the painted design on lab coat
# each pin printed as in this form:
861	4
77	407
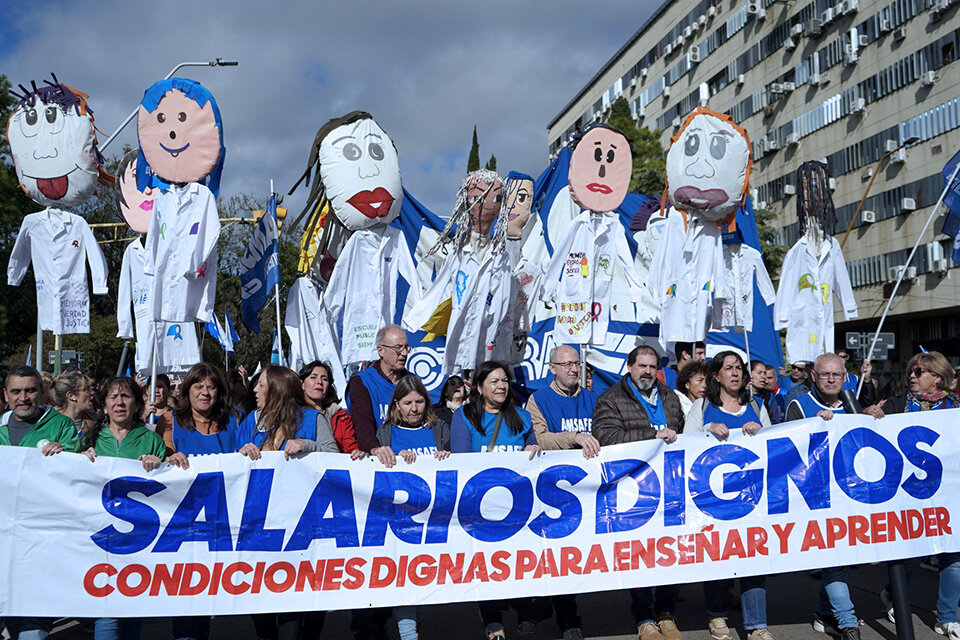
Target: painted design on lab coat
733	307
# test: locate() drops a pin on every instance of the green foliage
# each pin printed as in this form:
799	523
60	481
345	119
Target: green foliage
649	157
773	253
492	163
473	161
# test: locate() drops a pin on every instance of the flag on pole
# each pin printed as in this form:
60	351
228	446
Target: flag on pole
260	267
214	329
225	336
276	355
234	338
951	199
29	355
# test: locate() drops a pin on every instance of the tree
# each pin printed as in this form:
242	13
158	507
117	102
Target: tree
473	161
649	157
773	253
492	163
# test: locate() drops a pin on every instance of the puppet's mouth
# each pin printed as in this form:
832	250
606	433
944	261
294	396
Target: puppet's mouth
697	199
373	204
147	205
596	187
174	152
53	188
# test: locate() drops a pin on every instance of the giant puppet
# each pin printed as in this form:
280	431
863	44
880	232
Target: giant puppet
579	277
813	270
355	195
181	156
177	346
707	175
54	148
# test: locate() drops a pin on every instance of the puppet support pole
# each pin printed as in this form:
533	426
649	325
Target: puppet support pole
903	270
39	346
123	357
58	345
152	422
276	291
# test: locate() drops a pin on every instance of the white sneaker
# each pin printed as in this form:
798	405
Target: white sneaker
949	629
887	605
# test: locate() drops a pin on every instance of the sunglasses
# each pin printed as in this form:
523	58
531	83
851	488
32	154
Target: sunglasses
919	371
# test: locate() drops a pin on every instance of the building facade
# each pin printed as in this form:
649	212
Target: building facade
871	87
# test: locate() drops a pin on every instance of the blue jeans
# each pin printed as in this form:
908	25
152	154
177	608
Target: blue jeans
406	622
29	628
753	600
835	597
948	592
645	605
117	628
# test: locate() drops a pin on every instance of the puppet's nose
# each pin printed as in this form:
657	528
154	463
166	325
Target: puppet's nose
603	171
173	135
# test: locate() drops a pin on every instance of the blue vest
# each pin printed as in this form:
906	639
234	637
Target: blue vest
247	432
810	406
421	441
713	413
380	390
670	377
656	413
506	439
193	443
850	382
566	414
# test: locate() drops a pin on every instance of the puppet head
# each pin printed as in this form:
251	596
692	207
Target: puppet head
814	200
181	135
708	166
478	209
600	168
136	206
54	145
518	202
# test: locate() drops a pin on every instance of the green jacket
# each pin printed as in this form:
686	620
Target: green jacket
139	441
53	426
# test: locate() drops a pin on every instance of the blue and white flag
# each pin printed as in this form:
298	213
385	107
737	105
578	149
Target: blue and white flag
215	329
951	199
225	338
231	332
276	354
260	266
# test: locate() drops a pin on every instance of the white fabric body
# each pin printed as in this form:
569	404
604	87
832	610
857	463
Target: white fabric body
309	330
363	289
733	306
482	295
182	253
580	275
59	243
804	304
686	271
179	349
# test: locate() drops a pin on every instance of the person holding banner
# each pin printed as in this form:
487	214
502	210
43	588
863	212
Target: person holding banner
72	396
29	423
640	407
411	429
321	394
370	391
202	422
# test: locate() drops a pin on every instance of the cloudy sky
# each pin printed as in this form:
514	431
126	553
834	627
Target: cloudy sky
427	71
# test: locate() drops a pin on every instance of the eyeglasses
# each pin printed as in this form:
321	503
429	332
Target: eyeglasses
397	348
830	375
570	364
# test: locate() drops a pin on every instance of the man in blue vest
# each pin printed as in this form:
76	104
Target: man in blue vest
686	352
562	416
835	614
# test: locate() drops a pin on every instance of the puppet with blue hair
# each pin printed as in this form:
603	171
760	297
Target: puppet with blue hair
181	154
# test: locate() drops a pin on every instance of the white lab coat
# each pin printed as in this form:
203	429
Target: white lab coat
182	253
733	306
179	349
804	304
479	283
580	274
363	289
686	272
59	243
310	335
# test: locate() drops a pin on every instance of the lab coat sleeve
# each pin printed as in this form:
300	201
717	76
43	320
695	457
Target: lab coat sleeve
336	292
435	294
626	261
150	242
408	271
785	295
551	278
842	286
98	263
124	296
208	236
20	256
764	285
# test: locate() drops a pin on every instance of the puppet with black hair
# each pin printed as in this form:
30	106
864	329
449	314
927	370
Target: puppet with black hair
355	194
579	277
470	299
53	143
812	271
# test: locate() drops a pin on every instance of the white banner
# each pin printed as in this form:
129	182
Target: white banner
232	535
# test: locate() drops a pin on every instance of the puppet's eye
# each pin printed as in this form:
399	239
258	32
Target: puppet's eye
692	145
28	122
376	151
598	155
610	155
498	198
522	198
161	117
718	147
351	151
182	117
51	114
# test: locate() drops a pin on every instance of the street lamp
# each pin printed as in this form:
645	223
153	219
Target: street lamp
218	62
876	169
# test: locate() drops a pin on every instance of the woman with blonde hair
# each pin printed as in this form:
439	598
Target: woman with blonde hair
72	394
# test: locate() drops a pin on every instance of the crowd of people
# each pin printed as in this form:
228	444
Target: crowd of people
389	415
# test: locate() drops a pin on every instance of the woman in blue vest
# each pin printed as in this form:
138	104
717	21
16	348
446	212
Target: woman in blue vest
727	406
411	429
930	378
202	424
492	421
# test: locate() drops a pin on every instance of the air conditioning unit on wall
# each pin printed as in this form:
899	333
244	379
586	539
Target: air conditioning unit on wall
868	216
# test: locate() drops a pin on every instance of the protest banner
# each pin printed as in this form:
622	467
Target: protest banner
232	536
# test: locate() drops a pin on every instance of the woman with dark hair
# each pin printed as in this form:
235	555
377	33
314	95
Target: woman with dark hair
691	384
728	405
491	421
202	422
282	420
321	394
122	435
452	394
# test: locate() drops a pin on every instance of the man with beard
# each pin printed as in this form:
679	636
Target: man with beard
640	407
